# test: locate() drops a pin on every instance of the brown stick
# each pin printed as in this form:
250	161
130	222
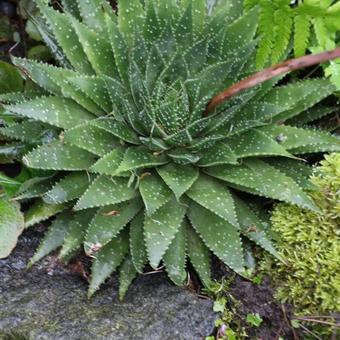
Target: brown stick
318	321
271	72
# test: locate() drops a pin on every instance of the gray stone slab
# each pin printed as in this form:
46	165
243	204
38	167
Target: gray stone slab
47	303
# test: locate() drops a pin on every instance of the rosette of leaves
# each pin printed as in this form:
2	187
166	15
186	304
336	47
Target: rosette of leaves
139	174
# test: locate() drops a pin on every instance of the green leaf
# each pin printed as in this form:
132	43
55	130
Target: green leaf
35	187
107	260
127	274
94	88
196	56
32	132
57	111
92	12
106	190
264	180
10	78
302	96
43	74
179	178
109	221
152	27
137	245
69	188
72	7
255	143
214	196
254	319
241	31
245	117
91	138
9	185
140	157
11	226
174	258
311	115
56	80
220	306
198	17
41	211
220	153
97	49
182	157
154	192
220	236
118	129
160	229
184	27
130	18
119	49
252	227
17	97
299	171
76	233
199	256
12	151
59	156
292	138
109	164
54	237
67	38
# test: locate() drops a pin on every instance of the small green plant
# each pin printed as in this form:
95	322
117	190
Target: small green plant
254	319
228	325
309	242
129	162
310	24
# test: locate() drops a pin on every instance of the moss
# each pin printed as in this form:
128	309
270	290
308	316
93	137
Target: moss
309	244
13	336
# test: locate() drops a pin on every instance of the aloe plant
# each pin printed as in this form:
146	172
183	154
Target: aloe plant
130	165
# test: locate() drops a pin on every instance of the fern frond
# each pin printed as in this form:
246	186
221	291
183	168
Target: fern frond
266	33
302	26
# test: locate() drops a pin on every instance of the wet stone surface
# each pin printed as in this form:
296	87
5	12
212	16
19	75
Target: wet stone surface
49	303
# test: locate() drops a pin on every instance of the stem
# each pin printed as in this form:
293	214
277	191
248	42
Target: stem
271	72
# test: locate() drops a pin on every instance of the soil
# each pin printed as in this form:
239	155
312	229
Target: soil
251	298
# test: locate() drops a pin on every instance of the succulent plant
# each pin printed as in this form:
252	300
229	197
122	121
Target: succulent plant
130	163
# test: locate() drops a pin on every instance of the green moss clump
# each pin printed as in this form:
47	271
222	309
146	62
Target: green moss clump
309	243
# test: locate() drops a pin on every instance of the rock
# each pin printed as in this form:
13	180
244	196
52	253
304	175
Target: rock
47	303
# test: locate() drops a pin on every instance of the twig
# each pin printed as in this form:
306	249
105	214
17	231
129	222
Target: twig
272	72
336	325
288	322
278	334
317	317
157	271
310	332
